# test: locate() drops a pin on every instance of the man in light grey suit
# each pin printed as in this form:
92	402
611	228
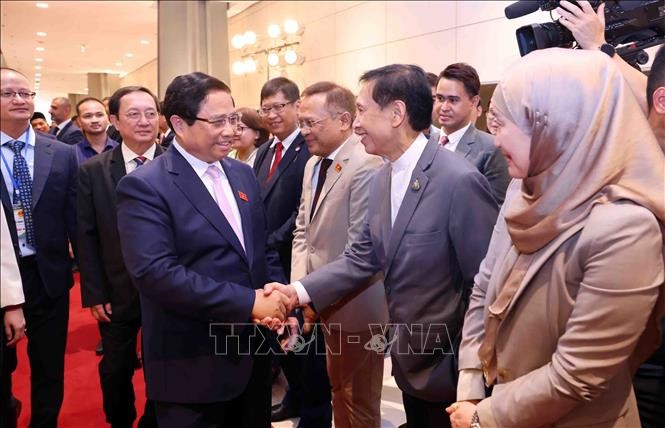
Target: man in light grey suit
332	211
428	225
456	101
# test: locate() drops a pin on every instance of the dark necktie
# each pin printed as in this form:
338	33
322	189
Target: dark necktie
23	194
323	169
444	140
275	163
140	160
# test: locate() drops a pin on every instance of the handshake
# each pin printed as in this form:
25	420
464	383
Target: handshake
273	304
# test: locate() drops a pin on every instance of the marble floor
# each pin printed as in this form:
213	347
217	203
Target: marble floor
392	409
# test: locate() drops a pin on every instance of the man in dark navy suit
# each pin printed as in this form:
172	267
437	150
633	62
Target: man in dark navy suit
38	194
193	235
65	129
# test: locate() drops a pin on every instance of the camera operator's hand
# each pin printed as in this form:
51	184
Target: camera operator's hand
587	26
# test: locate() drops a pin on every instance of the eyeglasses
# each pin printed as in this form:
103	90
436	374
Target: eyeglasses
23	94
309	124
232	119
136	115
277	108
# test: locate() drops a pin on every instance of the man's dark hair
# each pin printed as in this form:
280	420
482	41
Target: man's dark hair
114	102
433	79
37	115
464	74
283	85
407	83
185	94
656	76
338	98
85	100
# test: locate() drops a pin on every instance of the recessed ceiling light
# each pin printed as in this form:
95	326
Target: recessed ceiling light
41	34
118	64
38	74
42	5
38	67
39	59
145	42
129	55
40	48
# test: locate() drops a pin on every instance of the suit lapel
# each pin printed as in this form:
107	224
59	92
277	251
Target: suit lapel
64	130
194	190
117	165
43	161
335	171
414	192
260	167
287	159
243	206
464	145
307	191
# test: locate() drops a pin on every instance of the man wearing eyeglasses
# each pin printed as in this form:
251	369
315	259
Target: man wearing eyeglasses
38	195
106	287
65	129
192	231
279	167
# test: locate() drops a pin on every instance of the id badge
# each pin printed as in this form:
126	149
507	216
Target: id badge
19	219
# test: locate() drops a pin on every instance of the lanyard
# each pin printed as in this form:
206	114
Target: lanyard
15	183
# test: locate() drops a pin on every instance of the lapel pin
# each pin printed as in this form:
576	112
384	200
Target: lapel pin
415	186
338	167
243	196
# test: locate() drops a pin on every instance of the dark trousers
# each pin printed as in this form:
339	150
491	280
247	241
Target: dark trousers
8	416
649	385
116	370
251	409
309	387
425	414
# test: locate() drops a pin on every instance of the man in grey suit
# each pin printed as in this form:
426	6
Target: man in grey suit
428	225
65	130
456	101
332	210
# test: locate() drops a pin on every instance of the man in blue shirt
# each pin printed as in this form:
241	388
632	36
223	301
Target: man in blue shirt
94	121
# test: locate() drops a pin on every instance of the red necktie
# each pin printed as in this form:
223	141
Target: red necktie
444	140
275	163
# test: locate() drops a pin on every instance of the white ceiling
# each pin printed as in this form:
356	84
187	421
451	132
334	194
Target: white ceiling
108	29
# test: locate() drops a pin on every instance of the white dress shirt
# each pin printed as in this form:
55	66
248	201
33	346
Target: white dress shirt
8	156
128	156
286	143
454	138
200	167
401	172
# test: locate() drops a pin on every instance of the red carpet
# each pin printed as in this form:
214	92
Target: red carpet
82	406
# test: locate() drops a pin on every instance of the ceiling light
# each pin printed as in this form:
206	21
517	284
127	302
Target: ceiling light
145	42
250	38
118	64
41	34
290	56
40	48
42	5
129	55
273	59
249	65
238	41
274	31
39	59
290	26
38	74
38	67
238	68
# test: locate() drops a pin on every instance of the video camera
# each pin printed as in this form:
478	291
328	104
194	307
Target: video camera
636	24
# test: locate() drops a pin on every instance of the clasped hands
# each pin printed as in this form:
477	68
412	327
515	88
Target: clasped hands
273	304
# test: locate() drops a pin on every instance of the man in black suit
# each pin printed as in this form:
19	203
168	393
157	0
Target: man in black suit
106	287
38	195
279	167
456	102
65	129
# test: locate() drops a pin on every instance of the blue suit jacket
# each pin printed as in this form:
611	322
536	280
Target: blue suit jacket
191	271
71	134
54	212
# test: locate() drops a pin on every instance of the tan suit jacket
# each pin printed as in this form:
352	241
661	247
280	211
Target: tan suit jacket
11	288
563	347
338	219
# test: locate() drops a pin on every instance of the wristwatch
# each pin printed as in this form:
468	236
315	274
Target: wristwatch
608	49
475	420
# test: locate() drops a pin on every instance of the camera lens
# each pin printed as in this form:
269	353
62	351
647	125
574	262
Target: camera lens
542	36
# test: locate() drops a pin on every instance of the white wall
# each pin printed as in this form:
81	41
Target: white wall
146	76
342	39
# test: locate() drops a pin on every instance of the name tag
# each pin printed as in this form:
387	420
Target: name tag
19	219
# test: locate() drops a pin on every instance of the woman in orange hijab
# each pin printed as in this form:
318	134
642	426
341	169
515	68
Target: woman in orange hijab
577	254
